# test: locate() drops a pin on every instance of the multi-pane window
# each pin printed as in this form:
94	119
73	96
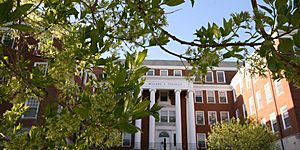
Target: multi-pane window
268	92
199	97
222	97
248	82
224	116
285	117
7	40
33	107
279	88
245	111
126	140
201	137
258	100
150	73
212	117
209	76
200	118
172	117
177	73
163	116
41	66
274	124
237	113
163	72
252	106
163	96
220	76
210	96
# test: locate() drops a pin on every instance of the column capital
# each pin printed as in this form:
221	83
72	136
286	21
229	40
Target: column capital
177	90
190	90
152	90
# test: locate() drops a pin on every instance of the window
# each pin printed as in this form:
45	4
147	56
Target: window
42	66
150	73
234	95
279	88
224	116
241	88
258	100
220	76
200	118
222	97
237	113
248	82
245	111
177	73
163	96
126	140
274	124
163	116
209	77
172	117
7	40
252	106
163	72
210	96
212	117
268	92
199	97
33	108
285	117
201	137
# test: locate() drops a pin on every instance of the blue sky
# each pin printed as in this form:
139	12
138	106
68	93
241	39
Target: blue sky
184	22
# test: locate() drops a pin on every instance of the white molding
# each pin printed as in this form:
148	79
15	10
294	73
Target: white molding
215	87
190	67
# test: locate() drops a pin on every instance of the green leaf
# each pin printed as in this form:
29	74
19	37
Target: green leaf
140	57
5	8
266	9
19	11
141	106
127	127
173	2
228	55
21	27
82	112
296	38
155	3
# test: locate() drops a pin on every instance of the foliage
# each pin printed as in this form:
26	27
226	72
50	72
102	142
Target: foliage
238	135
75	36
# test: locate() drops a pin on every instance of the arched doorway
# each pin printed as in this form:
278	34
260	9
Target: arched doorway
164	141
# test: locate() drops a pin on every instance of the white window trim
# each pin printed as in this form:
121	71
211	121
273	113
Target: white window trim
237	113
273	117
151	70
179	71
223	77
162	71
248	82
203	117
283	110
241	87
13	39
199	140
214	94
227	112
42	63
244	110
208	117
201	96
225	97
129	142
276	87
259	105
251	101
168	98
37	110
212	77
168	115
267	88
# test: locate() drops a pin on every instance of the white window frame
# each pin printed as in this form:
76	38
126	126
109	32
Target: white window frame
259	100
212	77
213	95
170	115
36	107
273	117
208	118
151	70
278	85
167	115
180	72
225	97
237	113
242	87
198	140
251	103
168	97
196	94
224	78
167	71
13	39
245	113
267	88
283	110
223	112
42	63
123	137
248	82
200	112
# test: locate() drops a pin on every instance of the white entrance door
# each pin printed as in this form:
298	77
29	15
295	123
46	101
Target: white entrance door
164	141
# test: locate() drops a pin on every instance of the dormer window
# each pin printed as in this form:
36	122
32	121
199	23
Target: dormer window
209	77
177	73
221	76
150	73
163	72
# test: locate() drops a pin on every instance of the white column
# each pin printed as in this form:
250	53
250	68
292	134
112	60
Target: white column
191	122
152	121
178	120
137	136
